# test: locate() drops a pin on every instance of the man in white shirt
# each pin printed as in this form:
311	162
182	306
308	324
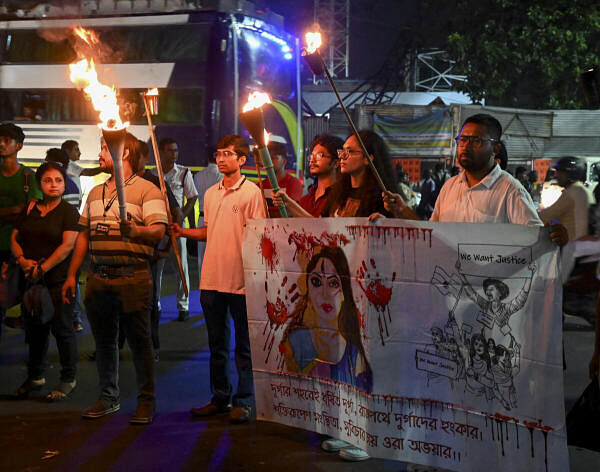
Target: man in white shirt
204	180
571	209
180	181
74	170
228	205
483	192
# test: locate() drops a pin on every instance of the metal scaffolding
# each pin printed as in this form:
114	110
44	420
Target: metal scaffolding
333	17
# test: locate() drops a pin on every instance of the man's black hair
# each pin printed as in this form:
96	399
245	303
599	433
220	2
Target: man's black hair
164	141
57	155
494	128
68	145
10	130
502	156
277	149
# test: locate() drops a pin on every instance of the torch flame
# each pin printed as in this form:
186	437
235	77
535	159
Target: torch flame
89	36
256	100
152	92
266	137
313	41
104	98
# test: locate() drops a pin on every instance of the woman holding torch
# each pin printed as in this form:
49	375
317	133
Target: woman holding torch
356	193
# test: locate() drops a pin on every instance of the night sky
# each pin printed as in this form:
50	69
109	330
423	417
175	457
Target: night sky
374	27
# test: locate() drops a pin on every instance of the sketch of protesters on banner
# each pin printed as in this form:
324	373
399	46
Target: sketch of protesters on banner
487	360
323	338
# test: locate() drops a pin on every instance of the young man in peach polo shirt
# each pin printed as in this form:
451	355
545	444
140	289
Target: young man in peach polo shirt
228	205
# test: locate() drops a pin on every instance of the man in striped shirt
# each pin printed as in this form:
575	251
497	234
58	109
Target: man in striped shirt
119	286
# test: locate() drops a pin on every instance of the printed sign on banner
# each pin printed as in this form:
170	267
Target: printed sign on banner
433	343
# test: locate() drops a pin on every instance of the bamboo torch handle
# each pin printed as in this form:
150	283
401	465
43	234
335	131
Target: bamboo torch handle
163	189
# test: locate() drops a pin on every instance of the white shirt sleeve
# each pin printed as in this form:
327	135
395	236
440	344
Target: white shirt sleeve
189	189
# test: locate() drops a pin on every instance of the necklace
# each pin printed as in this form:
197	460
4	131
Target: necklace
114	197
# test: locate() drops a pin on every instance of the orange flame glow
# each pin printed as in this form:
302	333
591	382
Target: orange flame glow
88	36
152	92
256	100
104	98
313	41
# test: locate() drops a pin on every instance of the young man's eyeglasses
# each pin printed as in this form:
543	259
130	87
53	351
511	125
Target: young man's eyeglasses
474	141
319	156
226	153
345	153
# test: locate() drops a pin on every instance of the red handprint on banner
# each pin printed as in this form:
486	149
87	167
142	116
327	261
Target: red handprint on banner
278	311
378	294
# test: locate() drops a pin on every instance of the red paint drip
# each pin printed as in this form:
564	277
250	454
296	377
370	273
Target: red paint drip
284	281
307	243
268	252
292	288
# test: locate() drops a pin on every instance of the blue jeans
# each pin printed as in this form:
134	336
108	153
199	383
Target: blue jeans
37	335
214	306
77	302
121	303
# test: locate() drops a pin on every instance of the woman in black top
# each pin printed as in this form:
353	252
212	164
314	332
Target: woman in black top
42	242
356	193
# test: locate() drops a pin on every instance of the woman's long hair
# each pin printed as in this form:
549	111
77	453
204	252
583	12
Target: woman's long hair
348	317
369	194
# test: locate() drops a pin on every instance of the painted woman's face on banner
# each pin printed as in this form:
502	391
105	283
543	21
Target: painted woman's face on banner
325	293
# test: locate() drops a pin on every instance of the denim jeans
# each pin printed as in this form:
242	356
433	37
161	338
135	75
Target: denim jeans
155	308
121	303
37	335
183	302
214	306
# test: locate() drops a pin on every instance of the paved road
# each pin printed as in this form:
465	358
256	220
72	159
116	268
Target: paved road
29	428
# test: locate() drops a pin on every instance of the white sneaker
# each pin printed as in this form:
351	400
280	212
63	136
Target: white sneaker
334	445
353	454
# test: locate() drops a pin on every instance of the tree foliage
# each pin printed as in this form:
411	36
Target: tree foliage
522	53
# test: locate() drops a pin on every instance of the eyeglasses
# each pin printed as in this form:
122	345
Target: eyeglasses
474	141
345	153
319	156
224	154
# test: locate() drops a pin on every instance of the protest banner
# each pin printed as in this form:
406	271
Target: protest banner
434	343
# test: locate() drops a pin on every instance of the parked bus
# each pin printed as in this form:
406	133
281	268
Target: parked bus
204	63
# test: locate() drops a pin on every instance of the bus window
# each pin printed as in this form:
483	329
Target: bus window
265	65
26	46
162	43
165	43
70	105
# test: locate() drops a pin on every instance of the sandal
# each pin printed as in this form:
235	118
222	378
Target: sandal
61	392
29	386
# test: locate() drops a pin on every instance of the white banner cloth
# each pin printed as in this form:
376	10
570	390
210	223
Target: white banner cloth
434	343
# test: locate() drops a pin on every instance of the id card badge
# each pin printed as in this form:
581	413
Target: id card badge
102	228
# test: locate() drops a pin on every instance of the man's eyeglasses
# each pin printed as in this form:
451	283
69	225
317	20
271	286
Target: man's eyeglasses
224	154
319	156
474	141
345	153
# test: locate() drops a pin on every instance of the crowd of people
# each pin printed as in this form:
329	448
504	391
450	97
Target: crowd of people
43	233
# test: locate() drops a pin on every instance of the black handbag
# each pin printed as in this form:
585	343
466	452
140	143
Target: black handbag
584	417
39	303
10	278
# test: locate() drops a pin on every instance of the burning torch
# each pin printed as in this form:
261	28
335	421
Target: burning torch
315	62
151	106
253	119
104	99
